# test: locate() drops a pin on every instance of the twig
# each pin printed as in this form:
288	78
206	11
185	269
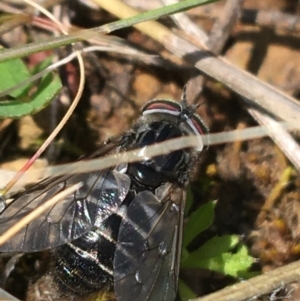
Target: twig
241	82
191	29
266	18
104	42
271	18
184	23
260	93
281	137
224	24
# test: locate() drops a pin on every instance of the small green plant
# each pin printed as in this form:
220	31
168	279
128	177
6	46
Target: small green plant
24	100
224	254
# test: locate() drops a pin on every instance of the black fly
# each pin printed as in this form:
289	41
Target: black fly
121	231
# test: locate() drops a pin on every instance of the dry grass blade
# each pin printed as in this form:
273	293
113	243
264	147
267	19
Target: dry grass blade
36	212
273	19
281	137
66	116
142	153
224	25
242	82
183	22
266	283
54	133
218	37
87	34
4	296
265	18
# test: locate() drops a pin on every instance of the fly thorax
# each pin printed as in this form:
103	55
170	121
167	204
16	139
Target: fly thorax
165	167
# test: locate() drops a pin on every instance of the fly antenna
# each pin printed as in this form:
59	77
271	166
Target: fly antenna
197	105
183	96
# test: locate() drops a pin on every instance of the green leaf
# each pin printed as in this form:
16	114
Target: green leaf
215	247
212	248
199	220
185	292
237	263
12	73
49	86
226	263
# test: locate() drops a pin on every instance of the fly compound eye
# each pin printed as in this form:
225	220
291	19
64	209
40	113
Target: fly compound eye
198	128
162	106
184	113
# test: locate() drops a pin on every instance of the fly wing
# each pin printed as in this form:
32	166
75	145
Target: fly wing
101	194
146	257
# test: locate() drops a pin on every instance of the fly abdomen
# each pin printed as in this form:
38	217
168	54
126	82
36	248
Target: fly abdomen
86	264
81	267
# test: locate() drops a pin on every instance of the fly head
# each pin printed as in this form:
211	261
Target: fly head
164	120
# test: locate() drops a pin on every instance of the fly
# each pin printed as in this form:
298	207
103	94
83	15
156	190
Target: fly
121	231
